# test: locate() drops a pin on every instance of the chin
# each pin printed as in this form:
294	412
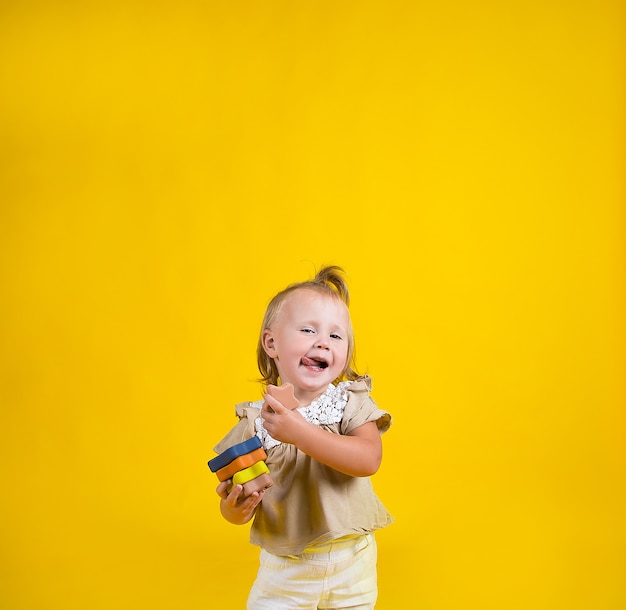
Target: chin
320	385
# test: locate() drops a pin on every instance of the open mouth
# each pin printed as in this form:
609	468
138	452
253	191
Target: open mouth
314	363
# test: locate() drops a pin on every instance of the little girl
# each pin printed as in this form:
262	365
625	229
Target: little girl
315	524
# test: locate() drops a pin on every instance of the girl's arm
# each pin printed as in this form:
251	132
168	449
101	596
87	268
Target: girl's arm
357	454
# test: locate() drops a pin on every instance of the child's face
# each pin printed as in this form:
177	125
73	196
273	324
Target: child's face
309	342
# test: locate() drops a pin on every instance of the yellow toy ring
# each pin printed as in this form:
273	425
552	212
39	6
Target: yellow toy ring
247	474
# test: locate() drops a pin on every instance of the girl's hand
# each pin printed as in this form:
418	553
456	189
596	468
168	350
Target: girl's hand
234	507
285	425
357	454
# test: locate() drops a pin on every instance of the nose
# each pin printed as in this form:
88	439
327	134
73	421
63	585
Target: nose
322	343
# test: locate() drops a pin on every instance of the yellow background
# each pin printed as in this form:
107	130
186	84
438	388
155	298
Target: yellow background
166	167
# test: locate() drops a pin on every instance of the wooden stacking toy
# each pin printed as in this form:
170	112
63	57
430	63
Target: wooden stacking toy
285	394
244	462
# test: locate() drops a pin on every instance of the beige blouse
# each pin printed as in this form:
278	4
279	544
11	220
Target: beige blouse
311	503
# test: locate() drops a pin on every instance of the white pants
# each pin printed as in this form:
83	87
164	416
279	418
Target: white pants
340	574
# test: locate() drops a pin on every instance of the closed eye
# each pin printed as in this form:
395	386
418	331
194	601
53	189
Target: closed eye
335	336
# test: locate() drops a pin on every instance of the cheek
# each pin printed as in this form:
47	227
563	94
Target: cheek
342	356
293	349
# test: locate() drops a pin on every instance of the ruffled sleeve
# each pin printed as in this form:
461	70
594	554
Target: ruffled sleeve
243	430
361	408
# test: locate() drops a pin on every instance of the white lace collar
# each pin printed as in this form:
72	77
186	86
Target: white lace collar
324	410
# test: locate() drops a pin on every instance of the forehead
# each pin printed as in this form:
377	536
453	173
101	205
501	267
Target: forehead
306	302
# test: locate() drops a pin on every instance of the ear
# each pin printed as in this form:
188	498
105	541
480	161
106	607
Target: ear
268	343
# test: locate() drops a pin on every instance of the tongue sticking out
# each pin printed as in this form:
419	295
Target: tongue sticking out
315	363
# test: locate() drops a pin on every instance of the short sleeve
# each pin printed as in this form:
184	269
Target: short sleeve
243	430
361	408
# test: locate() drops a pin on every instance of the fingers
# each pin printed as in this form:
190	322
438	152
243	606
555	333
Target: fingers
248	506
222	489
255	498
234	499
233	496
271	405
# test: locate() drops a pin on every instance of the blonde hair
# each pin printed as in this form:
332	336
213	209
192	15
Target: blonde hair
328	281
